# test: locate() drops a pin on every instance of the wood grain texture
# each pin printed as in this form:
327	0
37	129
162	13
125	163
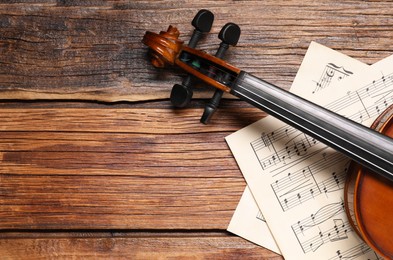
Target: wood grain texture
139	179
133	246
130	168
92	50
134	168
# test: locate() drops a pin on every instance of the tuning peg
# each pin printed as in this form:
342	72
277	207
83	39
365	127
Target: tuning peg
229	35
202	23
181	94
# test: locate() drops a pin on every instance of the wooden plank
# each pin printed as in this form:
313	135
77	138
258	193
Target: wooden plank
118	168
54	153
118	202
133	246
132	120
93	51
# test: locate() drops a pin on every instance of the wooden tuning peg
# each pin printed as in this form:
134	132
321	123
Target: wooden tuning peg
181	94
229	35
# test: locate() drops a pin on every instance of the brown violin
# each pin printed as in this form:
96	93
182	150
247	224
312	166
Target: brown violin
369	186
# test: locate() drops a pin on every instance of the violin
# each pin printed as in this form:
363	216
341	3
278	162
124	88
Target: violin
369	184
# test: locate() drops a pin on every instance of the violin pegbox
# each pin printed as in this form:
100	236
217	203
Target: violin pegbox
229	35
181	94
167	49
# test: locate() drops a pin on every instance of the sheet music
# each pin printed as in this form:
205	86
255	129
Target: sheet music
294	179
248	221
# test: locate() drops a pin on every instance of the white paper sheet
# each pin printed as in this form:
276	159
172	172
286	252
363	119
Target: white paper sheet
248	221
296	181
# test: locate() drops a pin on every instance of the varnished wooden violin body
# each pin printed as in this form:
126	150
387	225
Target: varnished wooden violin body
369	198
369	189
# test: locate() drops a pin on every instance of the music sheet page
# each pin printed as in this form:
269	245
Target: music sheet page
248	221
298	182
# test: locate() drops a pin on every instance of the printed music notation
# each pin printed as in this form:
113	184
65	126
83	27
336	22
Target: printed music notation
331	73
295	188
294	178
322	227
286	144
296	145
283	148
359	251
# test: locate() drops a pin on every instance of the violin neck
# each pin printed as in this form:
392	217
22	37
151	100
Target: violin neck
363	145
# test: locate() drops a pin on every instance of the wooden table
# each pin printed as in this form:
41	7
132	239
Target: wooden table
94	160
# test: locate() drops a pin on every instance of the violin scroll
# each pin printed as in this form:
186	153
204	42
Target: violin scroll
164	46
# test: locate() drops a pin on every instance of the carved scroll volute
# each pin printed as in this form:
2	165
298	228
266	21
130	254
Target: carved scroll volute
164	46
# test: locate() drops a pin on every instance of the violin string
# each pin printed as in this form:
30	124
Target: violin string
232	77
210	70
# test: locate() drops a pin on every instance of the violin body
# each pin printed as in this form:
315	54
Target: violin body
369	199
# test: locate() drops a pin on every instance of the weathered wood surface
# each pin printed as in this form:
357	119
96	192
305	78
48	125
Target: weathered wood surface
76	166
139	179
117	168
181	245
92	50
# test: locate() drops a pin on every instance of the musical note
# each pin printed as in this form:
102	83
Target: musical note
280	154
322	215
330	73
356	251
340	231
332	232
306	183
266	139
